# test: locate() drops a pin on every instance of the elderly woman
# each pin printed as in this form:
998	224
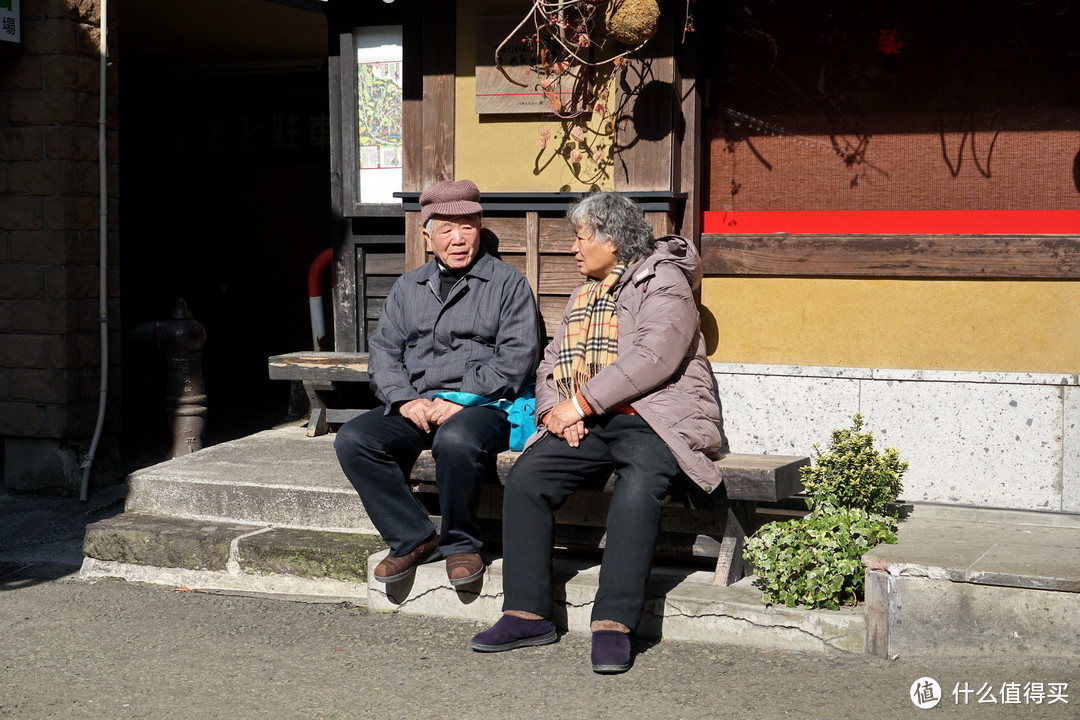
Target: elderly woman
624	386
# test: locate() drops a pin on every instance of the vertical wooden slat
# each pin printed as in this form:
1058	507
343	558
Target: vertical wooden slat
347	94
412	106
415	247
340	235
361	298
345	339
333	66
413	110
429	119
661	223
690	179
532	250
439	64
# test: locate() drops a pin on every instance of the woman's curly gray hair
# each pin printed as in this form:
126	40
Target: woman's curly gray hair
614	217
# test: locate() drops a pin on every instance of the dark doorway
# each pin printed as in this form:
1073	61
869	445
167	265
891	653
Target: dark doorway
225	202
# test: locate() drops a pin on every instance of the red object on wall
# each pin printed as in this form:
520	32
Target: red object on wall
894	222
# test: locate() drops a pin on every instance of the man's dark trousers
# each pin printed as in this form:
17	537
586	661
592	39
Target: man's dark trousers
377	452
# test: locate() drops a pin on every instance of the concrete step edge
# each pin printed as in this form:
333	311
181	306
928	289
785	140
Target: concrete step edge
230	549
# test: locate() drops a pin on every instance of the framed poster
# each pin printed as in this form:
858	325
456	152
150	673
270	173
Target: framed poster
378	133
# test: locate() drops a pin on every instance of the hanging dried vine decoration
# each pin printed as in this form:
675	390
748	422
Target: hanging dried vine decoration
566	37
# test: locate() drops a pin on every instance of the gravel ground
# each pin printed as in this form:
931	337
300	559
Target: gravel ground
117	650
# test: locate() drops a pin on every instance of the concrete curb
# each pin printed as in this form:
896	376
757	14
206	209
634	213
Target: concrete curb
229	556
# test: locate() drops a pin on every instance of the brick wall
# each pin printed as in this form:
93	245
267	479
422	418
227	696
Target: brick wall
49	219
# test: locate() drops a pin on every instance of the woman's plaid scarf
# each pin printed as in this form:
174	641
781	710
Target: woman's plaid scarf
591	340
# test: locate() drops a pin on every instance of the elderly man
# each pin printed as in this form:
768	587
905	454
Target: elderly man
465	324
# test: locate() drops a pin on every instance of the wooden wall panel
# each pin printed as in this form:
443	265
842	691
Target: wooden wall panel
510	233
555	235
558	274
928	256
377	263
551	311
647	118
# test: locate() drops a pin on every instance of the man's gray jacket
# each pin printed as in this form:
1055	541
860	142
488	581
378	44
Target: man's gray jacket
484	339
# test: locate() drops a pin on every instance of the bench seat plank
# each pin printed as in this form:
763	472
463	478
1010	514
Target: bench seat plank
316	366
758	478
319	371
762	478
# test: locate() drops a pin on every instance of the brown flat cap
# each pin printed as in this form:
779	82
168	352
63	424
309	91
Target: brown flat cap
450	197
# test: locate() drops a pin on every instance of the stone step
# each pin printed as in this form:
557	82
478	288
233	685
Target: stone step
210	555
329	566
966	580
276	477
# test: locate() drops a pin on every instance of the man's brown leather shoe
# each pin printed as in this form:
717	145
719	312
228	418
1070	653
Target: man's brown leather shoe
464	568
392	569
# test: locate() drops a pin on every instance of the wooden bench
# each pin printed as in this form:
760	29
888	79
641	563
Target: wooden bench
321	374
693	523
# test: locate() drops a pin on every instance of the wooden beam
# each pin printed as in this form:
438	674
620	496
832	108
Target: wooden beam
692	144
412	100
532	250
439	61
906	256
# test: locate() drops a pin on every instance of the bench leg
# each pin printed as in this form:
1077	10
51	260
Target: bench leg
730	565
317	423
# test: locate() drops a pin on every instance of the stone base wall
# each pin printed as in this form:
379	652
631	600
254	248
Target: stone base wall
996	439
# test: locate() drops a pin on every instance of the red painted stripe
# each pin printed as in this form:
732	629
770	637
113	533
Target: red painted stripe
530	94
895	222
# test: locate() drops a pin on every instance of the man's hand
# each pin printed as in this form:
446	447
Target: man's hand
440	411
418	412
563	420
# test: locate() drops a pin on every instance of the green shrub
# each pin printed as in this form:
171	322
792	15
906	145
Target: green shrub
816	561
851	474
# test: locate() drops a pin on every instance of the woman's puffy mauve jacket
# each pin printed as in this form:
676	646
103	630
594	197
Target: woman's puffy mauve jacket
662	370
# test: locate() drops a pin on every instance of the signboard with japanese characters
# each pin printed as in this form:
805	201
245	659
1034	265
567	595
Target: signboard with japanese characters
10	23
514	79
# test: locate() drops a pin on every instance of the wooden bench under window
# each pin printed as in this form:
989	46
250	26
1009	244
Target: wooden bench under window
693	523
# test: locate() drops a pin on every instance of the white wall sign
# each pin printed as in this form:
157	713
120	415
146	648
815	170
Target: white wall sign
378	113
10	22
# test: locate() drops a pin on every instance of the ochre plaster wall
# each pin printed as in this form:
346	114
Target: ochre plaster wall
500	152
1017	326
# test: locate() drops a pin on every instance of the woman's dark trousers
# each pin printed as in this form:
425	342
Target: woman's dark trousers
541	480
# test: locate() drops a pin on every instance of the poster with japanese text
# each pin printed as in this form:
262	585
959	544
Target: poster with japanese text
378	113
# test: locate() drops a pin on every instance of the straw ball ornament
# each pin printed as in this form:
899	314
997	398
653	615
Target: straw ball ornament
631	22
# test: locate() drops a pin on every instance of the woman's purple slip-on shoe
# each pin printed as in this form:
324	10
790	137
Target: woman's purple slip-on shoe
513	632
